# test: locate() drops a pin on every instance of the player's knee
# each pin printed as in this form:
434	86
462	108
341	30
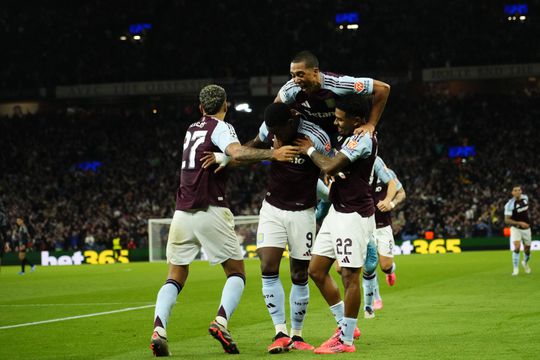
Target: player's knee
299	276
316	275
269	267
350	277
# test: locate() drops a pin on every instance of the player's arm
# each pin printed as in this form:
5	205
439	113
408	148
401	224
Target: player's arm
400	197
329	165
520	224
381	91
243	153
386	176
387	203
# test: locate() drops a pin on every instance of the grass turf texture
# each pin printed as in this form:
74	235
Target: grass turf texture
447	306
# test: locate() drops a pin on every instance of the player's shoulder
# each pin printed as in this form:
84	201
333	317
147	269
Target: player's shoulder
524	197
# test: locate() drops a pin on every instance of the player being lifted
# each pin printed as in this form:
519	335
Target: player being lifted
202	218
314	93
388	193
516	214
350	223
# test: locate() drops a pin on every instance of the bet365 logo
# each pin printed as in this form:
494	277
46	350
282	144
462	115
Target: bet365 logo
90	257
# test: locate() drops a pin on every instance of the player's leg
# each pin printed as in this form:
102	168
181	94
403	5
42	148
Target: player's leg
377	299
232	290
22	258
515	238
222	247
301	228
182	248
351	283
369	285
298	301
526	237
351	233
271	242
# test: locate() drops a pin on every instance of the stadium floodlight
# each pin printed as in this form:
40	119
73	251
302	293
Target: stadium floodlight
137	37
243	107
352	26
123	38
522	18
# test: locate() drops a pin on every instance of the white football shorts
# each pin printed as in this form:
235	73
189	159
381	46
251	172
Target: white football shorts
212	229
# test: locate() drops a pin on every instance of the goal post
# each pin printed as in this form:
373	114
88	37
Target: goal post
158	232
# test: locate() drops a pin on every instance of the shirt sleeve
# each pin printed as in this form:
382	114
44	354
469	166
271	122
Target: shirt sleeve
263	133
357	147
508	208
382	172
320	139
287	93
224	135
343	84
399	185
322	190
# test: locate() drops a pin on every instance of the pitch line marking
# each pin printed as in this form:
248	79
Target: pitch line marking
76	317
75	304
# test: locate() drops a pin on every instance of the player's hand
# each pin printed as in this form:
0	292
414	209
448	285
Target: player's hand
210	158
303	144
366	128
276	143
285	153
523	225
384	206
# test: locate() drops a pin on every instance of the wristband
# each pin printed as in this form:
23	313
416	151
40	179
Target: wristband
222	159
310	151
392	205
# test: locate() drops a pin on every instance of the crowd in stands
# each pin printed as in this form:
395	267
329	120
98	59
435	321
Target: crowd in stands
67	205
49	45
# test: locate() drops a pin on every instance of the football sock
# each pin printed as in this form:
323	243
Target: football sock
347	330
23	263
338	310
298	300
376	293
165	301
526	257
274	297
391	270
515	259
230	297
368	284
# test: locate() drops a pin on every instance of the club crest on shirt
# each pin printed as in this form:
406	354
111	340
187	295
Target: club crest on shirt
352	144
327	147
359	86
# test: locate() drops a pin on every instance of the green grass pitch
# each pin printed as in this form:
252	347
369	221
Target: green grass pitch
451	306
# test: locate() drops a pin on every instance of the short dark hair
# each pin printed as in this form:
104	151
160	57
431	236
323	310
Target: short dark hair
212	98
354	105
277	114
306	57
516	186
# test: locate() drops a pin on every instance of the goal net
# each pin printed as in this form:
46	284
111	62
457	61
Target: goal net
158	232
